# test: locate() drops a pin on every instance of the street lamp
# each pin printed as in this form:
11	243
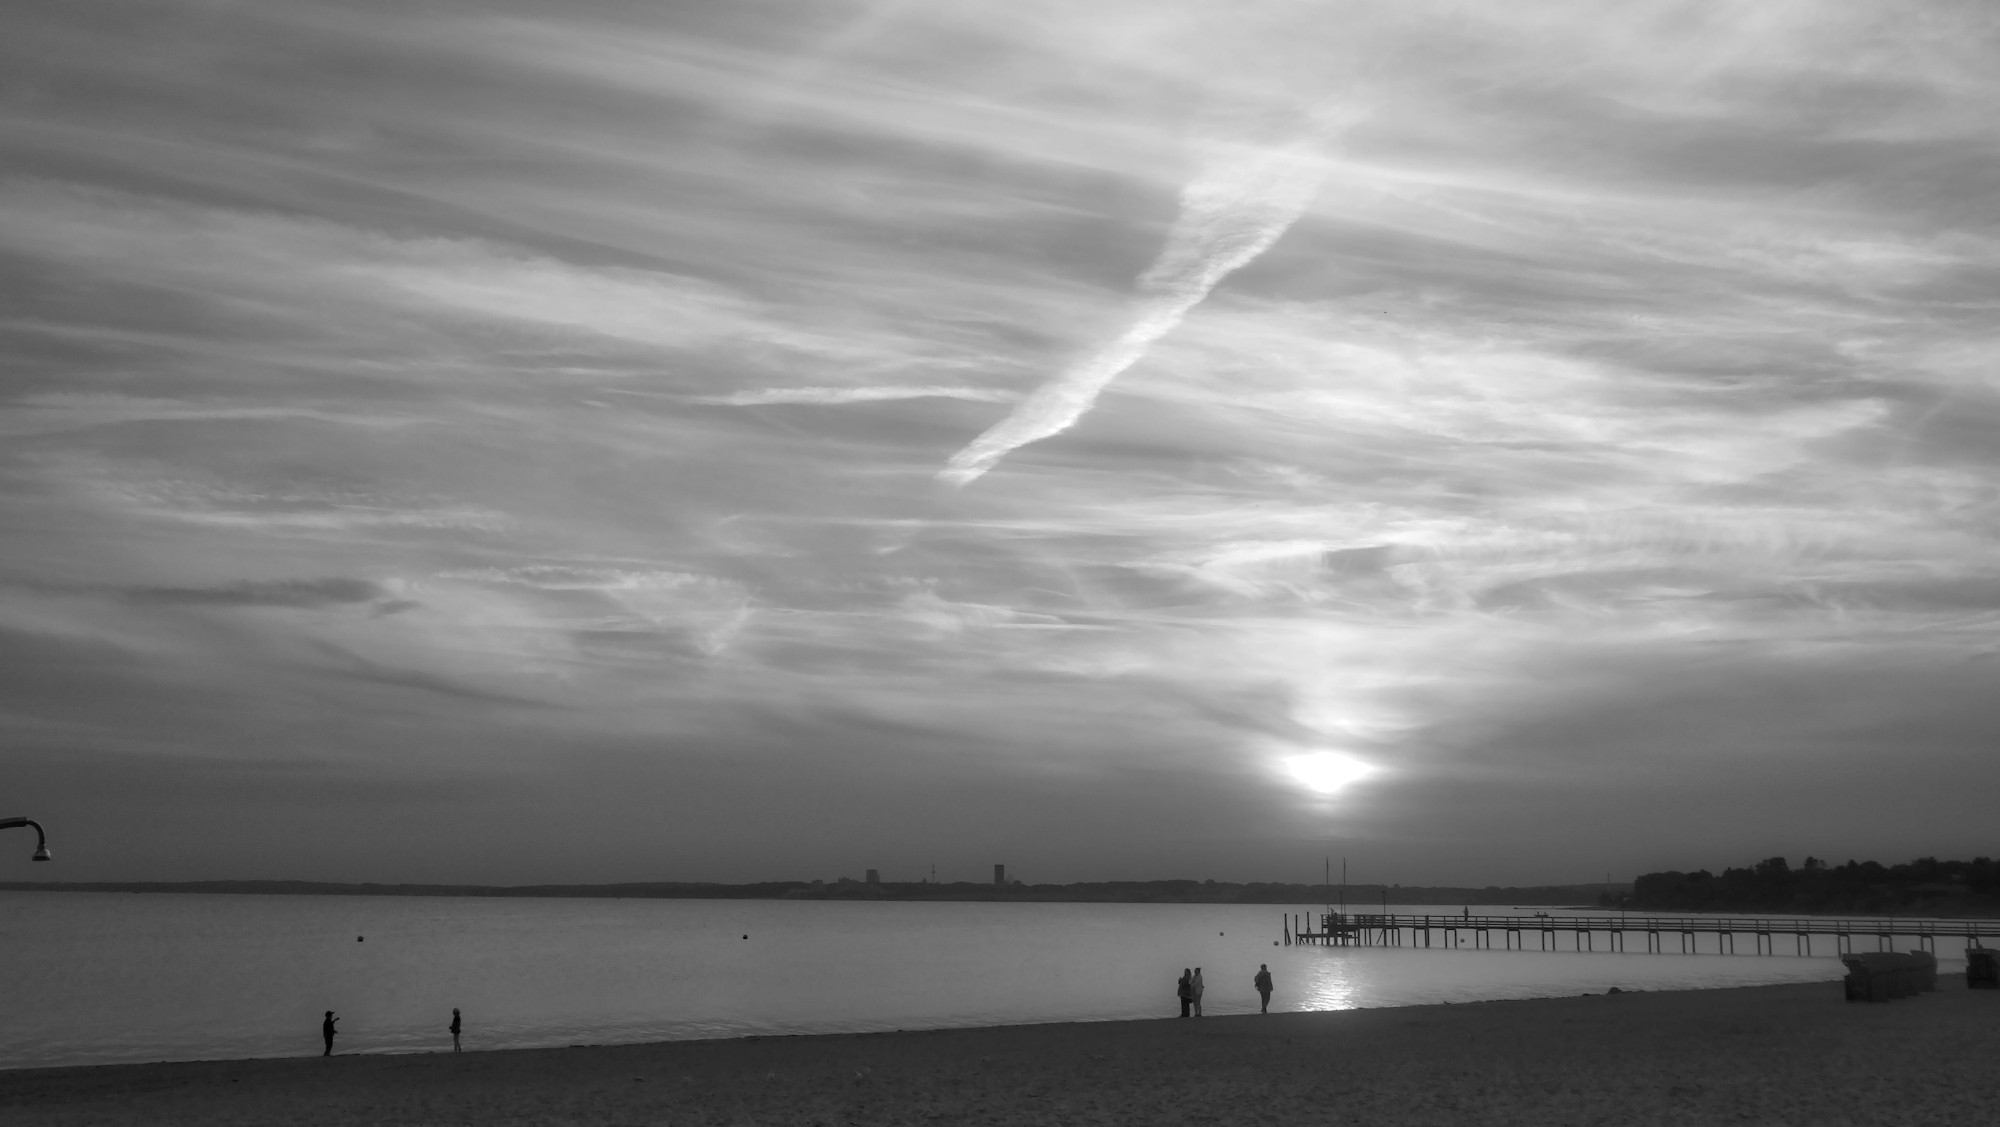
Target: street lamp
41	839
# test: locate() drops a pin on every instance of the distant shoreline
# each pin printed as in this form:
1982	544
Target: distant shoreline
1361	899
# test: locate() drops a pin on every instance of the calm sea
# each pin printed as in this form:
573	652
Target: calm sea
90	977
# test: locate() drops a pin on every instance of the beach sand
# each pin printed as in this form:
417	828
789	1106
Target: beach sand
1779	1055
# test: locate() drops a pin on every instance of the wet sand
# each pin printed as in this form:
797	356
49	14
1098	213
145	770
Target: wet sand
1794	1054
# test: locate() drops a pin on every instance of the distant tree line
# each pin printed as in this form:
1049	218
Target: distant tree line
1358	897
1925	886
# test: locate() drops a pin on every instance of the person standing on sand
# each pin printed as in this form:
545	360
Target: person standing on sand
1195	988
1185	990
1263	984
326	1030
454	1029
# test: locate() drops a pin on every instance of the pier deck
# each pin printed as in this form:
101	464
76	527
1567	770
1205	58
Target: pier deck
1349	929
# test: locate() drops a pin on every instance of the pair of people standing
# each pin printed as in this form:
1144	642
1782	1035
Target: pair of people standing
1190	989
327	1031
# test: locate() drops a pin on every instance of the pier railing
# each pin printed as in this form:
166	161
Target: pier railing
1347	929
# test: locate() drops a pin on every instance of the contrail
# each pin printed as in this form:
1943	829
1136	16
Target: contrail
1229	215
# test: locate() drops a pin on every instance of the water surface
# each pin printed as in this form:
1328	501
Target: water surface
97	977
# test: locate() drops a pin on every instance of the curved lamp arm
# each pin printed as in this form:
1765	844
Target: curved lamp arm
41	839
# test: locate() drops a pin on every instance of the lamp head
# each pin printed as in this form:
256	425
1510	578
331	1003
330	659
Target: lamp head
41	853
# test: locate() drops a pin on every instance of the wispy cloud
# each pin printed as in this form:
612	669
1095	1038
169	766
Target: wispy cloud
303	593
839	395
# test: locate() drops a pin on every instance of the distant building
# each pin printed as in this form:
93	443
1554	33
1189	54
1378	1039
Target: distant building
874	877
1000	876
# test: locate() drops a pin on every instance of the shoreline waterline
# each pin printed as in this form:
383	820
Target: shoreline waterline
851	1033
1778	1054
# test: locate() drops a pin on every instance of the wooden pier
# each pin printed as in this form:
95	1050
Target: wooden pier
1347	929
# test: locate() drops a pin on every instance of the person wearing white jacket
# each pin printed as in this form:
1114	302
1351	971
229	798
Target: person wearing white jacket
1195	988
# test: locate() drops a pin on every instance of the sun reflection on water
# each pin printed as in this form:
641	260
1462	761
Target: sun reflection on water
1330	982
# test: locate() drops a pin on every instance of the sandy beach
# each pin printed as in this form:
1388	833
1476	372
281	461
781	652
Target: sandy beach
1777	1055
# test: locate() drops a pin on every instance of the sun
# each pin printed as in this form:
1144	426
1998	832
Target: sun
1327	772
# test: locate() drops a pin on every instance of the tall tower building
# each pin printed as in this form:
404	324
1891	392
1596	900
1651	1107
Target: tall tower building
1000	876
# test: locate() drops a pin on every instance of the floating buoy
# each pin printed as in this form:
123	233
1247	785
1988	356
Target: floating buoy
358	939
746	937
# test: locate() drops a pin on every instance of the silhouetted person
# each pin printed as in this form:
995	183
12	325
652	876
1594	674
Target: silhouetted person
454	1030
326	1030
1195	988
1263	984
1185	989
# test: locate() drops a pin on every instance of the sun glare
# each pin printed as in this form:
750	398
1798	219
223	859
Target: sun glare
1327	772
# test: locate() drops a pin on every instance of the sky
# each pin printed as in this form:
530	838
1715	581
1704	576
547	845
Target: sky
593	441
